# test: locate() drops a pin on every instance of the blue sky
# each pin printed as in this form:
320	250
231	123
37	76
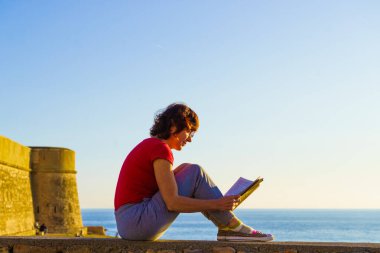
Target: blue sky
286	90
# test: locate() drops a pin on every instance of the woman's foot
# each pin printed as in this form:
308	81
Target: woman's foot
255	236
238	231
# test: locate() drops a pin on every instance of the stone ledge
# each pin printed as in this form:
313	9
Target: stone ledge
114	245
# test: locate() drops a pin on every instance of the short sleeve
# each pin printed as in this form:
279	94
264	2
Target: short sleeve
161	151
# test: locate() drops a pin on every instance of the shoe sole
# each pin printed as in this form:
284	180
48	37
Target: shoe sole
239	238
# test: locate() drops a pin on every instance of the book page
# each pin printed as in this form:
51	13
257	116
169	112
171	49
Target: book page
240	186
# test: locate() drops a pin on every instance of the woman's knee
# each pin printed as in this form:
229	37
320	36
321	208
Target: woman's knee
181	167
189	167
192	169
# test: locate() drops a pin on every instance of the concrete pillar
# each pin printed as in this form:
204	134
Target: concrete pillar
54	188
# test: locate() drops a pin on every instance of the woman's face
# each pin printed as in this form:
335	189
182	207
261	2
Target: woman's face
179	140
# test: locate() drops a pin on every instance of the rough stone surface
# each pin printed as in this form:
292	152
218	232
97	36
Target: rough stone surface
223	250
287	251
55	193
14	154
32	249
96	230
113	245
4	250
16	208
37	185
191	250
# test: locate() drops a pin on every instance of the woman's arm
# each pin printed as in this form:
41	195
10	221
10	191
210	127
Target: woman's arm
169	191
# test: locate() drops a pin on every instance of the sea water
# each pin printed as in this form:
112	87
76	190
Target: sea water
323	225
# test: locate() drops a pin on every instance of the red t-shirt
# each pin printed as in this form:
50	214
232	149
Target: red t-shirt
136	179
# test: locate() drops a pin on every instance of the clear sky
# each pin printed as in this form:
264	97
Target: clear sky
286	90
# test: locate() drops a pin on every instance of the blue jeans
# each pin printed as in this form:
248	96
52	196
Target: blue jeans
149	219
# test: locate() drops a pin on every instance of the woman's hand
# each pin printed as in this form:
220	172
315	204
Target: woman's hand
227	203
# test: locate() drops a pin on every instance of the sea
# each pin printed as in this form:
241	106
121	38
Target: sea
312	225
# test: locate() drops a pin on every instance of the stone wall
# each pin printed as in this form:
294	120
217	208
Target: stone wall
55	194
37	184
113	245
16	207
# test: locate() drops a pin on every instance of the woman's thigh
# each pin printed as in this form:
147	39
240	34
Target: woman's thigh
147	220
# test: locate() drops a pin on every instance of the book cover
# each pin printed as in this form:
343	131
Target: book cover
244	187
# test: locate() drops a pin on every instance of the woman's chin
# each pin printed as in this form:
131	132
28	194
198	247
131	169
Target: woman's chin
179	148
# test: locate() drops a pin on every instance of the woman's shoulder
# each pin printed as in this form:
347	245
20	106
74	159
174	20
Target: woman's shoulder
152	141
152	148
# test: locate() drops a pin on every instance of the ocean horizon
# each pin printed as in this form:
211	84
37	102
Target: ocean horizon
314	225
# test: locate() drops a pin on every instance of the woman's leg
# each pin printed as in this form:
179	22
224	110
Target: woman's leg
194	182
149	219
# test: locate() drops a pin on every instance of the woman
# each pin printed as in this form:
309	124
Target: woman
150	194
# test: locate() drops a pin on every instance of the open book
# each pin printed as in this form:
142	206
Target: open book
244	188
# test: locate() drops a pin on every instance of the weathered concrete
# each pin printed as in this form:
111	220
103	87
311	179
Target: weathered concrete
100	245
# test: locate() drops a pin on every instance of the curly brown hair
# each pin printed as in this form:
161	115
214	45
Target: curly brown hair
178	115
